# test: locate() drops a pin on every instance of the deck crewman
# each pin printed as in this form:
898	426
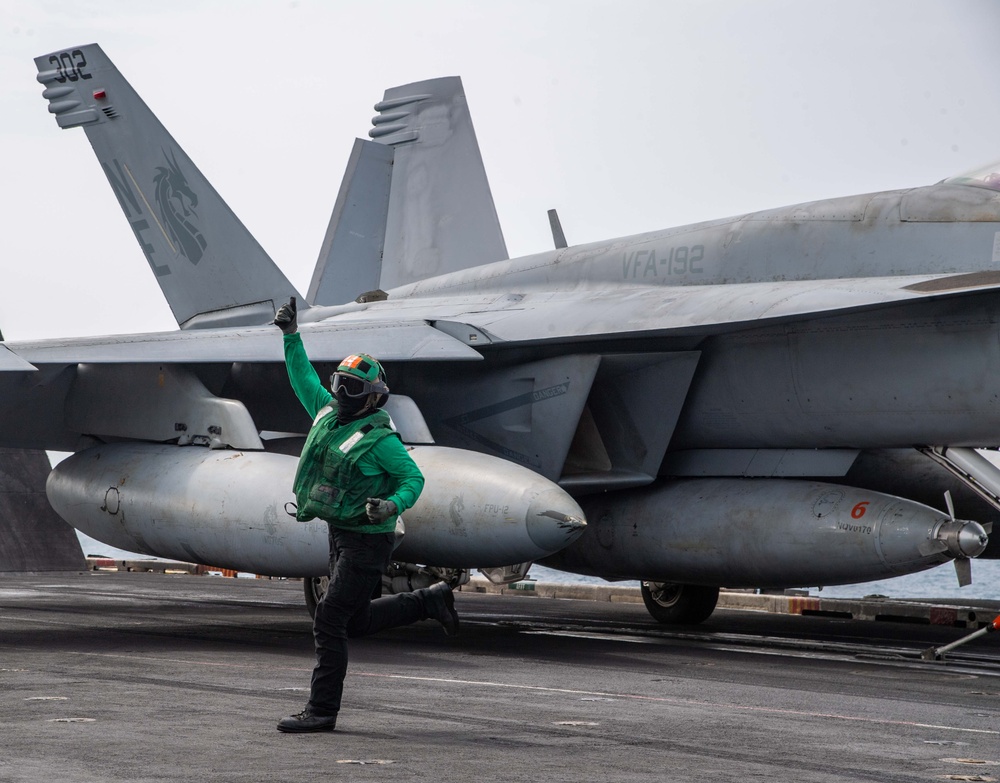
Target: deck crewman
356	475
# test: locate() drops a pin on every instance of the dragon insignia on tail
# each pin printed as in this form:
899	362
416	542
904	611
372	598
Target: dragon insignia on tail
177	202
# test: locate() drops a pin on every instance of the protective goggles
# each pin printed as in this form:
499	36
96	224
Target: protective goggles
353	386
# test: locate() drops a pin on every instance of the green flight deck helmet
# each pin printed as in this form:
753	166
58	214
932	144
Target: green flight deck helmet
360	375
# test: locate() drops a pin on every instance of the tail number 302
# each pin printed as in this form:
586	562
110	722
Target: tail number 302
69	66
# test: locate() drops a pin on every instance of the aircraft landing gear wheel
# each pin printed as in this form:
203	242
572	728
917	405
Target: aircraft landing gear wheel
676	604
315	587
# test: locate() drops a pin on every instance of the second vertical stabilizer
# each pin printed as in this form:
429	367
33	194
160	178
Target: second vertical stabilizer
350	260
441	214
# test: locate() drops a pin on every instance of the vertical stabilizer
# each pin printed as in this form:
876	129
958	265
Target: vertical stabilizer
350	261
209	267
441	215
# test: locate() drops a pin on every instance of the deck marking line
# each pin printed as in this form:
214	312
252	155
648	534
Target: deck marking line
574	692
675	700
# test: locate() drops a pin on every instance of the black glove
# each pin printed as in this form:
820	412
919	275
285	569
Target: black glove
286	319
379	510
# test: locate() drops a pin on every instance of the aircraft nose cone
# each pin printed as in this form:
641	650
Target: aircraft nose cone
554	520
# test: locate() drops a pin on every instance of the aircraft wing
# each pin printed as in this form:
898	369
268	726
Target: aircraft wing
682	311
330	341
53	390
449	328
11	361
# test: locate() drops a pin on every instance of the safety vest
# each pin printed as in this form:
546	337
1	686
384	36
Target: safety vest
328	483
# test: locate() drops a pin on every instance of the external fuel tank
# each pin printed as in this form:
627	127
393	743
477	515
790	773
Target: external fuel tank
763	533
228	508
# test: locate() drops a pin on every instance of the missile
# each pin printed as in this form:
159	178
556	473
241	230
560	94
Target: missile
228	508
763	533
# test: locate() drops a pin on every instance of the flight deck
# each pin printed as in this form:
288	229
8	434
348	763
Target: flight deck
124	676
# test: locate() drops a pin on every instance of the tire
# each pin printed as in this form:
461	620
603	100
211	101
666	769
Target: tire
671	603
315	589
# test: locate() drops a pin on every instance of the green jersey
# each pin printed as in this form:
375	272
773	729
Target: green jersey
342	465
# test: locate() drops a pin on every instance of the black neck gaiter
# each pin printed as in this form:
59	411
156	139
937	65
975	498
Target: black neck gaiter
351	408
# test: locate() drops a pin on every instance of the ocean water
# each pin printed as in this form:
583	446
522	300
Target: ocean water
939	582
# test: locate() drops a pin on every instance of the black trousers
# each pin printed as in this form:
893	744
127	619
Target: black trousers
357	561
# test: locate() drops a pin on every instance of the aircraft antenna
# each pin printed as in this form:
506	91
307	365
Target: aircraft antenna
557	232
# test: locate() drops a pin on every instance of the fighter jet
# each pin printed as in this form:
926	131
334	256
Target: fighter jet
784	398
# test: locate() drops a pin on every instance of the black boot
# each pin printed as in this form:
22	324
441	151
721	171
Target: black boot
439	604
307	720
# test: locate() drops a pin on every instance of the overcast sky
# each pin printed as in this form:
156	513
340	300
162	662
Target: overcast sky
626	116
